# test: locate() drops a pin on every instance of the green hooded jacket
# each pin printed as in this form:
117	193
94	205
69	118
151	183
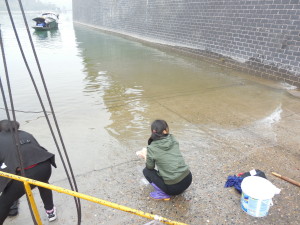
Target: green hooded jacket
165	154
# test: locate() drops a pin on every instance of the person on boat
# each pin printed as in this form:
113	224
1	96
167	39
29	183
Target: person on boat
36	162
172	176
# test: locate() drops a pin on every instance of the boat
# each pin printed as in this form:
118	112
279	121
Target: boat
46	21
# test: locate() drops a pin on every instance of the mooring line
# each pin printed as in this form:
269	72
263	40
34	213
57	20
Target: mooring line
22	111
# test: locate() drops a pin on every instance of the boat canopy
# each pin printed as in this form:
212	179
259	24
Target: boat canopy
39	19
51	14
43	19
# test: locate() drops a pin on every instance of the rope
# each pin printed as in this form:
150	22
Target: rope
14	130
22	111
73	182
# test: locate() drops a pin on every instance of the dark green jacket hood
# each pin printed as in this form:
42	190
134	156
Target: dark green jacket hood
166	156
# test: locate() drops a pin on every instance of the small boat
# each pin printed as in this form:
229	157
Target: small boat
46	21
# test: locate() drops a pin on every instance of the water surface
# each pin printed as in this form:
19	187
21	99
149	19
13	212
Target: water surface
106	90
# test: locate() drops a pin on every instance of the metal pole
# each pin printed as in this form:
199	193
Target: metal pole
92	199
32	203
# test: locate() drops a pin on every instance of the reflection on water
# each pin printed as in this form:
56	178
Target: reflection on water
106	87
106	90
46	35
133	84
56	50
49	39
139	84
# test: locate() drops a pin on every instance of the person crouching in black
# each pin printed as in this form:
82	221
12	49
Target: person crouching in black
37	163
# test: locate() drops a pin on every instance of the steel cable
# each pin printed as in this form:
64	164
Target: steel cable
13	130
73	182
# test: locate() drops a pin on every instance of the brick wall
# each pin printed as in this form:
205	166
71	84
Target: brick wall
261	37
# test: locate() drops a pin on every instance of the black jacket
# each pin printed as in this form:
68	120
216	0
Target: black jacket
31	152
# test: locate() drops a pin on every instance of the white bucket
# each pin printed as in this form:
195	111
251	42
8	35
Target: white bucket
257	194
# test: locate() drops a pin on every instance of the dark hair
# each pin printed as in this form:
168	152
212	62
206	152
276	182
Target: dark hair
5	125
157	128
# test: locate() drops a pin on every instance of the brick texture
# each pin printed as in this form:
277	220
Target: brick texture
261	37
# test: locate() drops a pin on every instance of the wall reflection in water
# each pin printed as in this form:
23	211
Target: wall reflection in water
139	84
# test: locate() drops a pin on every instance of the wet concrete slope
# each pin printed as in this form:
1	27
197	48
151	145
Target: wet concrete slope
223	142
225	122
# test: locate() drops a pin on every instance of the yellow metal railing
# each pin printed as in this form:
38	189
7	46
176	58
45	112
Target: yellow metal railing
28	181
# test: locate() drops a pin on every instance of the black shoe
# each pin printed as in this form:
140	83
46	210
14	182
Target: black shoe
14	209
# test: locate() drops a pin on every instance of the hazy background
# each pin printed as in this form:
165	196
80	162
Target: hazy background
67	4
30	5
